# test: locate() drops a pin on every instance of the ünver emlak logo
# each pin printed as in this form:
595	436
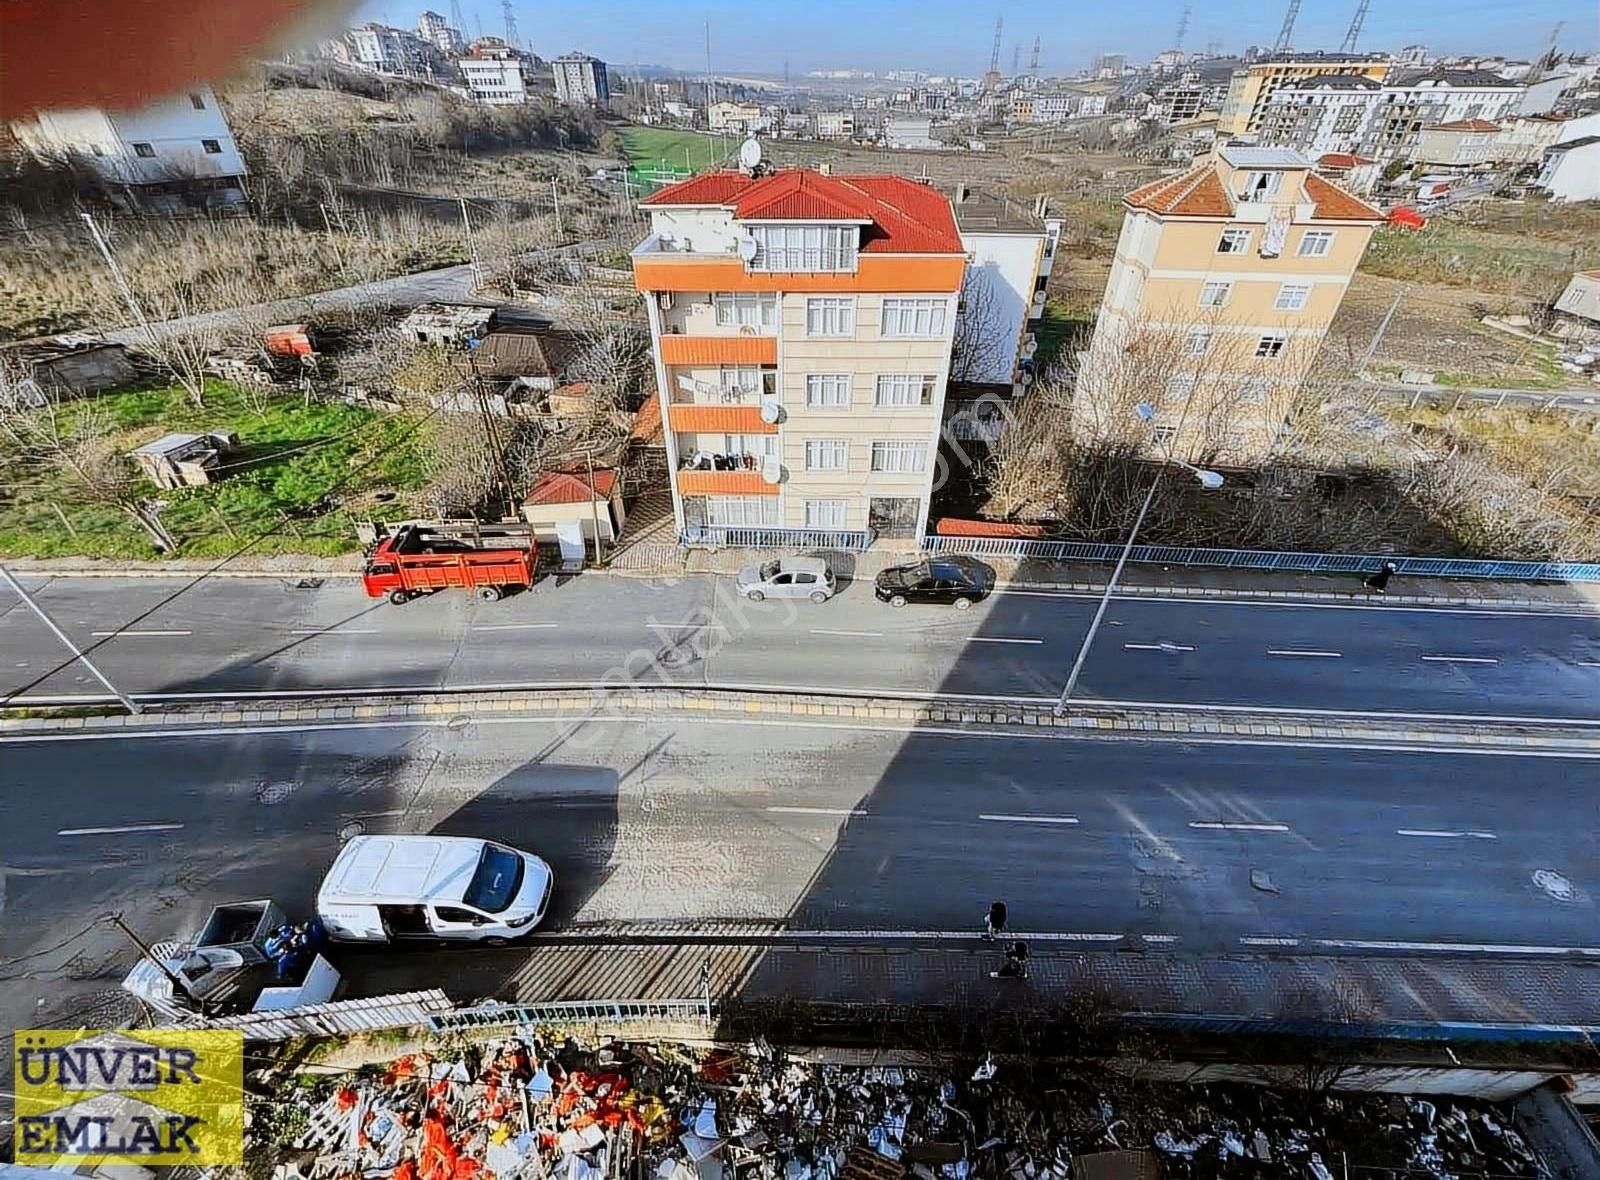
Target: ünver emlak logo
152	1096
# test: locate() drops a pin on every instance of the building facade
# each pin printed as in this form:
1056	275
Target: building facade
1252	88
737	118
1466	143
834	124
801	326
1571	170
497	77
581	80
441	33
1225	280
173	151
1011	253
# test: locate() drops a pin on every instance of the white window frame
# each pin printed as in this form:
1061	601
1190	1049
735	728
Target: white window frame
904	390
1164	433
1238	234
827	389
743	309
813	247
899	456
763	446
913	318
1271	346
1197	342
1216	292
830	316
827	454
742	512
1315	243
826	514
1292	297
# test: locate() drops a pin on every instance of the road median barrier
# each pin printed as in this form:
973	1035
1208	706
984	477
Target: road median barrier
1035	718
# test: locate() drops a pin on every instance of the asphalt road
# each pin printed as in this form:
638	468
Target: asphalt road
270	636
876	834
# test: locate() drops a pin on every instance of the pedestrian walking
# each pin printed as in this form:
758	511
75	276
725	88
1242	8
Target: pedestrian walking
994	922
1016	964
1379	582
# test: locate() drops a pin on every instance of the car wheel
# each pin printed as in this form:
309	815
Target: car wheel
756	596
819	596
962	604
489	593
898	600
398	597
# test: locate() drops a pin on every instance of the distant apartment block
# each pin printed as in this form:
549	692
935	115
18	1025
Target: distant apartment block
1254	86
388	50
169	154
834	124
736	118
434	28
581	80
1224	282
1011	253
802	326
1571	170
496	75
909	133
1466	143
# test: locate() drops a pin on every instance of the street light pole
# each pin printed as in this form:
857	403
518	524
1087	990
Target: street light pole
126	701
1105	600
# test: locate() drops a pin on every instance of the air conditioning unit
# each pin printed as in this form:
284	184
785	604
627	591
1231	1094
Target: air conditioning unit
771	410
772	470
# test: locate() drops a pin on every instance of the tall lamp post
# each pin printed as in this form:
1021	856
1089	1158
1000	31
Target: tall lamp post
1210	480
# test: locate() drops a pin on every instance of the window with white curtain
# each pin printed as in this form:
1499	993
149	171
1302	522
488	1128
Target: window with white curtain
899	455
804	247
827	389
827	454
746	310
913	317
825	514
732	512
905	389
1292	297
1197	342
830	315
1315	243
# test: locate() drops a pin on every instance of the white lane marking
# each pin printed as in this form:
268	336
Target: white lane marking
1589	663
1445	835
1159	937
1214	825
334	630
684	626
1029	819
120	830
1156	647
1290	651
844	811
848	634
1461	659
138	634
1307	604
1472	948
1000	639
1262	941
514	626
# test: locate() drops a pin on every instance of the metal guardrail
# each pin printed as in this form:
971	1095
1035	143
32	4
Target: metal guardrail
337	1018
775	538
1266	559
494	1015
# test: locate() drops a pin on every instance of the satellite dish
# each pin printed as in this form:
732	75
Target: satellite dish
772	471
749	154
747	244
771	411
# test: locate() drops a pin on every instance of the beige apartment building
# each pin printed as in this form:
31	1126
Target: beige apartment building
801	325
1223	286
1252	88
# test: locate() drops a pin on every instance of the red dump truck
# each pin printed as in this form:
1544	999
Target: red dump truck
414	560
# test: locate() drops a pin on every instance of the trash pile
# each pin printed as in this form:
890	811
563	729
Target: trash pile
524	1108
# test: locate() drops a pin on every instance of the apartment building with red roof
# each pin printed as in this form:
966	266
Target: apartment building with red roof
801	325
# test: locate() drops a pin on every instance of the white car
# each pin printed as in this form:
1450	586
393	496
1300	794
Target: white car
787	577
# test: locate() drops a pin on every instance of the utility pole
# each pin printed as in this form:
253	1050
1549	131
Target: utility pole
594	506
472	245
119	278
123	698
555	199
1287	31
711	86
1348	45
1183	28
178	986
1383	326
497	455
511	22
1033	62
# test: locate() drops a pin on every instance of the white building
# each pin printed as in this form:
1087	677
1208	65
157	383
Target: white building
581	80
1412	57
738	118
388	50
170	153
1011	251
1571	170
834	124
434	28
1318	115
497	79
902	132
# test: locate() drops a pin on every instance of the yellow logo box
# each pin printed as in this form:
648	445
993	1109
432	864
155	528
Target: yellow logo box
153	1097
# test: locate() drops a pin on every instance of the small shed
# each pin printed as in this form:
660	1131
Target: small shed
76	365
567	497
513	354
1578	308
180	460
451	324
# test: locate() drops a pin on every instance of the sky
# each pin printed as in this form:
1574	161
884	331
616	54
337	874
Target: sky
955	36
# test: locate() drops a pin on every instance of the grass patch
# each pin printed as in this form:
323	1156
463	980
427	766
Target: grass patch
1557	451
1464	255
293	456
659	149
1061	328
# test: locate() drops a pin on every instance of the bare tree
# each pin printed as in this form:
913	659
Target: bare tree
981	344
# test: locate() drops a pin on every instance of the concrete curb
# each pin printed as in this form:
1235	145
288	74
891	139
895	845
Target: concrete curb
1023	718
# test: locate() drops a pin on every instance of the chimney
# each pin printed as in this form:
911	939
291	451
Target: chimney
824	169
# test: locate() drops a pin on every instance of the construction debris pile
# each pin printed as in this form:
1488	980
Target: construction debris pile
521	1108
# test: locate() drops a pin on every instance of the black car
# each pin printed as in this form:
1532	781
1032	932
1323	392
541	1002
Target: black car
959	580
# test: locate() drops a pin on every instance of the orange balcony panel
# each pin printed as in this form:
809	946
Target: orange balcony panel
719	350
895	274
720	419
724	483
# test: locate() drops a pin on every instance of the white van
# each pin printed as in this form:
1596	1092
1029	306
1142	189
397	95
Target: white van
384	888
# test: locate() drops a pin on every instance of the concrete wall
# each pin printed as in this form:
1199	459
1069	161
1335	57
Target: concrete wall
998	294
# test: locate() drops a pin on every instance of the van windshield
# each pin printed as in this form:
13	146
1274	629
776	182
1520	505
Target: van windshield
497	881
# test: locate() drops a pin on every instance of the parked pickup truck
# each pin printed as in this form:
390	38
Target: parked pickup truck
414	560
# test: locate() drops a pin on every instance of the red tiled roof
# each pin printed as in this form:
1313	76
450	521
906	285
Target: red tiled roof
950	526
1342	160
647	430
1466	125
906	217
567	487
1196	193
719	350
1334	204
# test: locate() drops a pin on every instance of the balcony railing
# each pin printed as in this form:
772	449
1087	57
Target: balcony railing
805	259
